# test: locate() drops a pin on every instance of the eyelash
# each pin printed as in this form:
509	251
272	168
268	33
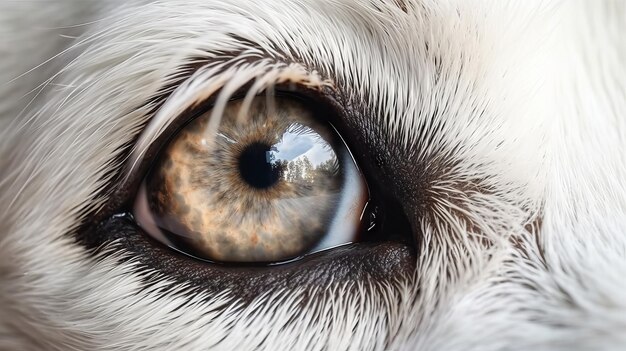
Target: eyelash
120	200
328	100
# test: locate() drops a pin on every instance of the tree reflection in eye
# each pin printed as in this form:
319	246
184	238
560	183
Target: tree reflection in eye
301	157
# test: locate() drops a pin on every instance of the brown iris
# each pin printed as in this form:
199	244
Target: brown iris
262	188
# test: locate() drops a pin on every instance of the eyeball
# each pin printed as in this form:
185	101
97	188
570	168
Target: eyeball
275	185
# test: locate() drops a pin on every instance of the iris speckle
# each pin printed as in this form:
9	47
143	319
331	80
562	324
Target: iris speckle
227	216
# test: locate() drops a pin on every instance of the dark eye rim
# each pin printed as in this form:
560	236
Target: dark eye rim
324	104
362	262
393	258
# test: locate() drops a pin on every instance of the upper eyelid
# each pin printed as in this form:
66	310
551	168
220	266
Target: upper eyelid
187	93
218	82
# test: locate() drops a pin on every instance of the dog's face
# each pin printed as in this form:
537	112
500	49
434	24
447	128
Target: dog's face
466	190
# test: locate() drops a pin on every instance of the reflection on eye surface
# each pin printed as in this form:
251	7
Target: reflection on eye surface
265	188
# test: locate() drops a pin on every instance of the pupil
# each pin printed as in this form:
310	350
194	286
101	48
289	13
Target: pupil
257	166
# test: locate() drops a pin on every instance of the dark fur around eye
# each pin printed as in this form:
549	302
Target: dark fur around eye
388	255
360	262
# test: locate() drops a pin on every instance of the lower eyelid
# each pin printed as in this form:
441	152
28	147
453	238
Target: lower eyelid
361	262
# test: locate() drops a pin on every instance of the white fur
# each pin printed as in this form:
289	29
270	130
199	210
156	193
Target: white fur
530	98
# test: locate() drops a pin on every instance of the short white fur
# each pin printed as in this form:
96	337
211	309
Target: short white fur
525	97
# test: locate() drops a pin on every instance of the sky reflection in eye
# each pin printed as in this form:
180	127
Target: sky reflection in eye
300	141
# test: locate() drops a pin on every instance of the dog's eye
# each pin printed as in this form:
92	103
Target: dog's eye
272	182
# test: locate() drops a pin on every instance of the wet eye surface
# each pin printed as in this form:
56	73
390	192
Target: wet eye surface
272	183
261	201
